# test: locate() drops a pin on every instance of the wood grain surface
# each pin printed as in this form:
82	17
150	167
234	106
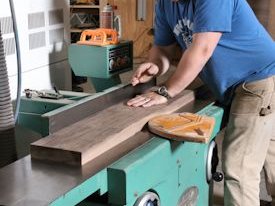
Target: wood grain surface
183	127
91	137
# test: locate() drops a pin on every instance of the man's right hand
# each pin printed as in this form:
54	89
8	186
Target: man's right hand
144	73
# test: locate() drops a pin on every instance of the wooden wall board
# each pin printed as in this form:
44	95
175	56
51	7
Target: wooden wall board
262	9
265	12
91	137
271	21
137	31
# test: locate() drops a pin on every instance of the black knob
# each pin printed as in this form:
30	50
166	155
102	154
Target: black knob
152	203
217	176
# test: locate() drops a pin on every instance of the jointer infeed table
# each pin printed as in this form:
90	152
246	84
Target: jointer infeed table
141	168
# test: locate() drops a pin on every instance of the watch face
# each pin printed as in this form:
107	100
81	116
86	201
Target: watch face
162	90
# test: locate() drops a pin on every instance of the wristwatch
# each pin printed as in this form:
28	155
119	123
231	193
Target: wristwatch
162	90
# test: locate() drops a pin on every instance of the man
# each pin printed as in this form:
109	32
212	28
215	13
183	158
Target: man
225	44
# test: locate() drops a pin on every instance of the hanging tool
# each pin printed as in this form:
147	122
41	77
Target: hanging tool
42	94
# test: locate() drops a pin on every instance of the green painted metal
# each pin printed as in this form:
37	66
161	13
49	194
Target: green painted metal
96	183
31	111
165	167
35	122
94	61
34	112
39	105
101	84
152	167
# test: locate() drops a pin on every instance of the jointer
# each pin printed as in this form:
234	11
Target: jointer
146	170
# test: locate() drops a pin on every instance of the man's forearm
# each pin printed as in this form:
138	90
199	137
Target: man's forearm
161	57
187	70
192	61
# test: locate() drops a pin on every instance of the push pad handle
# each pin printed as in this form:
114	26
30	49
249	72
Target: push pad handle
99	37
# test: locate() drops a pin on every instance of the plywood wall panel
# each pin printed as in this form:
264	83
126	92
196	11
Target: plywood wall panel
271	21
261	9
265	12
138	31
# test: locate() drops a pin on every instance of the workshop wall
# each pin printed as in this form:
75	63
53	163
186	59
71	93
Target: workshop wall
43	37
265	11
271	23
138	31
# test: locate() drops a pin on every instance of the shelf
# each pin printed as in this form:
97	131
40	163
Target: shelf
85	7
73	30
93	17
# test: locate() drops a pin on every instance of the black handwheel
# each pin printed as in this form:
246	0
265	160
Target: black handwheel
217	176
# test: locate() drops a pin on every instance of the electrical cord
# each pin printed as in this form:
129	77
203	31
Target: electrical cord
19	63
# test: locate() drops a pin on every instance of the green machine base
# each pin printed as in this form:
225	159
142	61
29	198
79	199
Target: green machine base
101	84
161	172
35	112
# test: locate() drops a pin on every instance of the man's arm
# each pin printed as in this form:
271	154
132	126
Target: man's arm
162	56
193	61
190	65
157	64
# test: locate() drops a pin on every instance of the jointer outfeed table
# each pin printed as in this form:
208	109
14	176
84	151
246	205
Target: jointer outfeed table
142	170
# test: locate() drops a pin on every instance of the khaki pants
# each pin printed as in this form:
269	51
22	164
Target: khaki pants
249	143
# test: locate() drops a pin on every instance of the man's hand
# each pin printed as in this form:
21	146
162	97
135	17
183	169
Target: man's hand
147	100
145	73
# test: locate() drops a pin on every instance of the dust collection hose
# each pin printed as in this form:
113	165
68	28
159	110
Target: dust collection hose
6	111
7	133
7	120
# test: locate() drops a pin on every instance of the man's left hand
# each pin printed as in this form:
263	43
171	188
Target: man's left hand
147	100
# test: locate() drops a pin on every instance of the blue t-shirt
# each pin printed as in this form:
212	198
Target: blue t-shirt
245	52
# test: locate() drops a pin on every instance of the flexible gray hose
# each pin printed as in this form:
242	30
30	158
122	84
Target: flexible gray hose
18	54
6	111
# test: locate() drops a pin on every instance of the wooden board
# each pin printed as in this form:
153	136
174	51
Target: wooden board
183	127
89	138
70	114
